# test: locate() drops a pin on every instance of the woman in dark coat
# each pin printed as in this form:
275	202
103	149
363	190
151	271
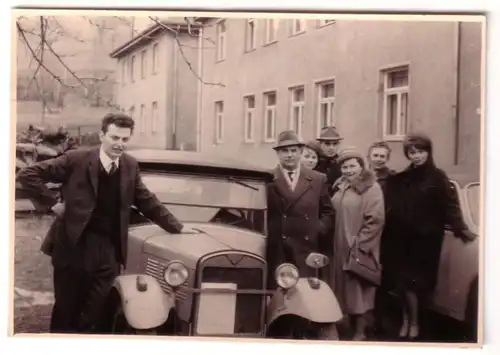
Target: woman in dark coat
419	204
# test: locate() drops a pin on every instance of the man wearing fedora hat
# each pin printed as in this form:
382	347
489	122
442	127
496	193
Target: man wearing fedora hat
329	140
300	212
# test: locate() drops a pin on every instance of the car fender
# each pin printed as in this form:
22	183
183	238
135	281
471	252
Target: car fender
317	305
143	309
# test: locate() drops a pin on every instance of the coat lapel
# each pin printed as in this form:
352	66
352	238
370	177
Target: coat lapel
94	169
291	197
303	185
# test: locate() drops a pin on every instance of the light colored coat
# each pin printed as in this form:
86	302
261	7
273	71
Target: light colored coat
360	216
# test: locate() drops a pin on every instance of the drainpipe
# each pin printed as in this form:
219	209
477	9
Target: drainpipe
174	95
457	92
200	89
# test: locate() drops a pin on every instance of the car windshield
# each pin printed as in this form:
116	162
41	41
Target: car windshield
227	200
473	201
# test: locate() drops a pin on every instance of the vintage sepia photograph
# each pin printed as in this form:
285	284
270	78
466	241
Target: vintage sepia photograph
312	176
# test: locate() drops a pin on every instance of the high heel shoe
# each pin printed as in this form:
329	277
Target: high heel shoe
414	331
405	328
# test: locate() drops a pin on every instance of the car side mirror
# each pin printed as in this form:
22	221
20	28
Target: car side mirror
317	260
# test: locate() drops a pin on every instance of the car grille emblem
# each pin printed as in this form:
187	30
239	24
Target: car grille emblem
234	259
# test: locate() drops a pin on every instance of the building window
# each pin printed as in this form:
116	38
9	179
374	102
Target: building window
298	26
251	35
297	95
249	104
325	22
132	65
270	100
142	120
154	66
395	103
271	30
144	63
219	121
124	71
154	117
221	40
326	105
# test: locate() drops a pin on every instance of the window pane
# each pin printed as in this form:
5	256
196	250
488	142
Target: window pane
328	90
269	124
298	95
271	99
404	113
296	118
250	101
392	108
323	115
249	125
398	78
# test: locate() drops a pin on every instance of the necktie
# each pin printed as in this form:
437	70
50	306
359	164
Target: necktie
290	174
113	168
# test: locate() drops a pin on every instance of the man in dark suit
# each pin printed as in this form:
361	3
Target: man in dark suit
329	140
300	212
88	240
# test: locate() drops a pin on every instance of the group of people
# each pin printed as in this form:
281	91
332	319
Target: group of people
340	202
322	199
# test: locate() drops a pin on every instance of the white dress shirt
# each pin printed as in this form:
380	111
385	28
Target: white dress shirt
292	183
106	161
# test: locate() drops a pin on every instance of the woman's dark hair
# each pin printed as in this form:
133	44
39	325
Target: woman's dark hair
418	141
119	119
315	146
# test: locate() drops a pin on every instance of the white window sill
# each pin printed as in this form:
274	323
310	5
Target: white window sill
394	138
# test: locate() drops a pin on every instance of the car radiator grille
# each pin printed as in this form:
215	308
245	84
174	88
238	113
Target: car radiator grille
249	307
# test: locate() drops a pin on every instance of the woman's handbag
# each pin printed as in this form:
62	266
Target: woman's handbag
363	265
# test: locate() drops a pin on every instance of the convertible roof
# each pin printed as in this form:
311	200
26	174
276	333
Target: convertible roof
196	162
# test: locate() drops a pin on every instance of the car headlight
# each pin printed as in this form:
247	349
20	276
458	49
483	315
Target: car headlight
175	274
287	275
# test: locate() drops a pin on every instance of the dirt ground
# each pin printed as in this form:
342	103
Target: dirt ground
33	297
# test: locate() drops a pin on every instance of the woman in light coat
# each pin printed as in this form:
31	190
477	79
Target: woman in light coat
360	217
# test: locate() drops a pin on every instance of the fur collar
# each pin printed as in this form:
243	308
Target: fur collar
362	183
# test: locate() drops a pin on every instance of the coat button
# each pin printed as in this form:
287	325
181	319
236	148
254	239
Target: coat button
306	216
284	237
284	216
306	237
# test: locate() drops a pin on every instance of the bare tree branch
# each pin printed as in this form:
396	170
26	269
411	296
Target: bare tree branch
181	51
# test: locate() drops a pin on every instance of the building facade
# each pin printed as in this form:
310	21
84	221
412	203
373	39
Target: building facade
157	85
372	79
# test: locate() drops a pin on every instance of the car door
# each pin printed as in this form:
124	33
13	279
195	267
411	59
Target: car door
458	266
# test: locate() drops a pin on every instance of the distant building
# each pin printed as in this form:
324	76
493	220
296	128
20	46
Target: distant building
157	84
372	79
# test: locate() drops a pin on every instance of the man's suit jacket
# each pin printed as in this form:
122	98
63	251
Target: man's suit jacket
78	171
299	221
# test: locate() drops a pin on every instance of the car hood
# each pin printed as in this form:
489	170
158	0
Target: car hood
198	240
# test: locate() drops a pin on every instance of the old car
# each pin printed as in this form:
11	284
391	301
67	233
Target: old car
211	279
457	290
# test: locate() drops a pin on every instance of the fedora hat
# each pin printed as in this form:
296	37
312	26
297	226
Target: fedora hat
288	139
329	133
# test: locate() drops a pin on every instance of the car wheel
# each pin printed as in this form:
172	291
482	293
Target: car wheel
471	313
121	326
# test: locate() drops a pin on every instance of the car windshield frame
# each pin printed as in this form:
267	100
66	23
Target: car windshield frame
206	190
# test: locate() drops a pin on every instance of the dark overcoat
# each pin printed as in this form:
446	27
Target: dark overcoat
298	221
420	202
78	171
329	167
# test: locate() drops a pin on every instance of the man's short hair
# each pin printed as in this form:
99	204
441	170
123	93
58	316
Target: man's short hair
380	144
119	119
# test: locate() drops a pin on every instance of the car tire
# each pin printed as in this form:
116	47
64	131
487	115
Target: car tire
471	312
120	325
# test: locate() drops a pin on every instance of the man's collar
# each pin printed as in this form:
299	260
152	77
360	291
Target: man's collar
106	160
296	170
